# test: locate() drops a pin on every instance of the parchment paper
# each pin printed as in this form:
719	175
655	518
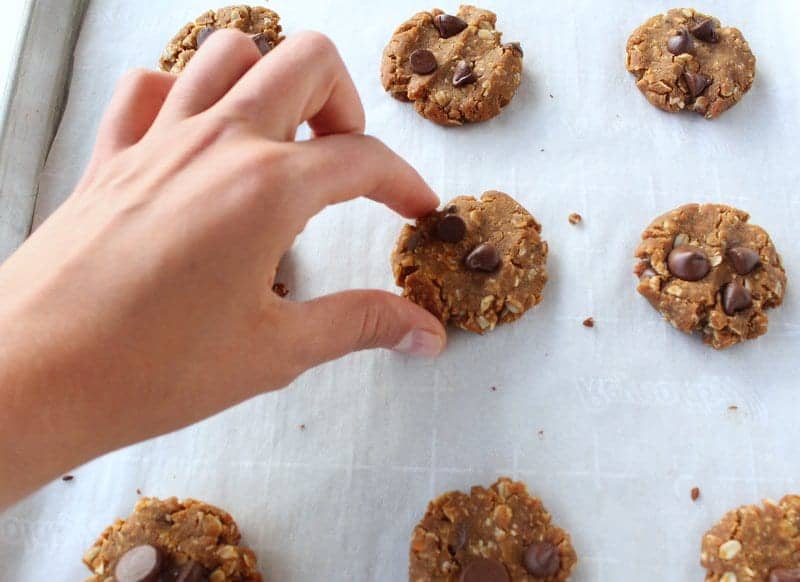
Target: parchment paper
611	426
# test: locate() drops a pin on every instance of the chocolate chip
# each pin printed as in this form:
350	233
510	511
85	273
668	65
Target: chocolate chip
449	25
785	575
203	35
541	559
695	493
696	82
688	263
680	43
263	44
514	46
452	209
463	74
483	257
705	31
422	62
485	570
588	322
451	228
139	564
744	260
735	298
191	572
67	478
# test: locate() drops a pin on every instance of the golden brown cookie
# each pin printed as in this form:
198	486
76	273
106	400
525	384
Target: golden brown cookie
453	67
751	544
706	269
475	264
500	534
685	60
189	538
259	22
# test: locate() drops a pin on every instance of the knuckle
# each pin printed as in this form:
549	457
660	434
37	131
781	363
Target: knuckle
316	44
134	78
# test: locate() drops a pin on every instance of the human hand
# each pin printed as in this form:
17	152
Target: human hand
144	302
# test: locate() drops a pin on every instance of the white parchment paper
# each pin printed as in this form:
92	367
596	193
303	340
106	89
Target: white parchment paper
611	426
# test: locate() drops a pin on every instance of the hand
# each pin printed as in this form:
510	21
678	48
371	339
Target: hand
144	303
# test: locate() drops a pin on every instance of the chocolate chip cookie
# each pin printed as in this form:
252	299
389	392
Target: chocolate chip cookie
262	24
167	540
705	268
751	544
685	60
452	67
499	534
475	264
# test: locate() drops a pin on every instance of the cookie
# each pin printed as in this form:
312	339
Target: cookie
259	22
685	60
706	269
754	544
476	264
452	67
170	540
499	534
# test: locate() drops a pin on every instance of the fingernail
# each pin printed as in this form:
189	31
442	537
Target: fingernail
419	342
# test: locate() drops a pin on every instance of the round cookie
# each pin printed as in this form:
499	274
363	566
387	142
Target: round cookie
172	539
751	544
259	22
453	67
500	534
685	60
475	264
705	268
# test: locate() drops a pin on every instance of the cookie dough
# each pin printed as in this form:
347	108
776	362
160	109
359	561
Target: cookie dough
259	22
169	539
754	544
499	534
475	264
685	60
452	67
705	268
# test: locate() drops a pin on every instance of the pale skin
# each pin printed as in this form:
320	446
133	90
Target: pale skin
144	303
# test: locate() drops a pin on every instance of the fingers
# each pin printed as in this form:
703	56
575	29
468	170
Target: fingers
336	325
302	79
219	64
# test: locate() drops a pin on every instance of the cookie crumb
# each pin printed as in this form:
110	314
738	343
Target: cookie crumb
493	388
67	478
551	95
733	407
138	491
302	427
588	322
280	290
541	150
695	493
575	218
541	434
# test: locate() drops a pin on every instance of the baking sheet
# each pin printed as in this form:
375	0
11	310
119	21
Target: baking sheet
611	426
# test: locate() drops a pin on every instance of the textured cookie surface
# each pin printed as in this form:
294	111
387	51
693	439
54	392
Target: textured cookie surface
685	60
754	544
706	269
465	76
187	531
491	274
500	534
255	20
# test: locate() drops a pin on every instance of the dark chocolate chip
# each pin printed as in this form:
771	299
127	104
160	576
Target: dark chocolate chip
744	260
785	575
463	74
680	43
485	570
422	62
705	31
67	478
191	572
203	35
688	263
451	228
484	257
452	209
139	564
696	82
263	44
541	559
514	46
449	25
735	298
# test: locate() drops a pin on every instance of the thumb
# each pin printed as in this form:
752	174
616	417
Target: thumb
338	324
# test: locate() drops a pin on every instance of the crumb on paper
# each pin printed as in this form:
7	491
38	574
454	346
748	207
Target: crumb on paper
541	434
733	407
575	218
138	491
551	95
280	289
67	478
302	427
493	388
541	150
695	493
588	322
